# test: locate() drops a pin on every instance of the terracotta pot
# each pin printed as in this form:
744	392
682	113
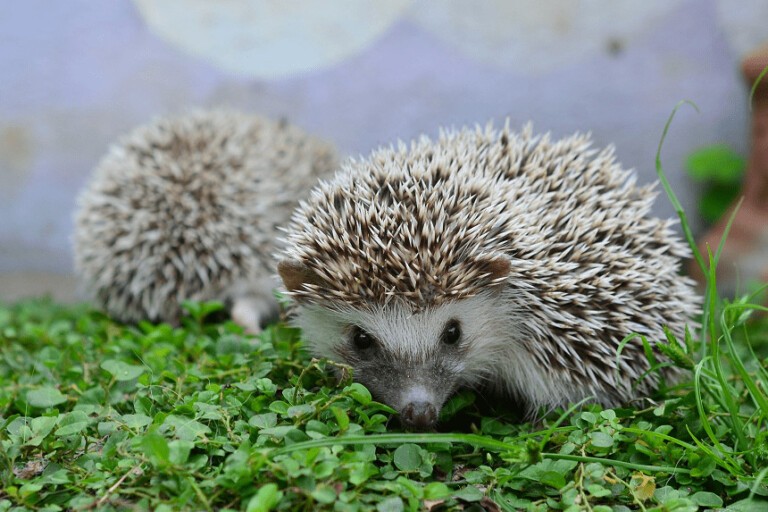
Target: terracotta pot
745	255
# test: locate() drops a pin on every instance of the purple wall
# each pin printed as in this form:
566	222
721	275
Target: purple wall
77	74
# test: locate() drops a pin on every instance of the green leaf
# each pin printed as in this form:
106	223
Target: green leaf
318	427
436	491
750	504
156	447
265	498
601	440
266	420
341	418
552	479
494	427
279	407
136	421
598	490
106	428
717	163
705	467
707	499
178	451
72	423
122	371
469	493
324	494
325	469
186	428
43	425
408	457
29	489
199	310
296	411
45	397
666	493
714	202
359	393
459	401
391	504
278	432
266	386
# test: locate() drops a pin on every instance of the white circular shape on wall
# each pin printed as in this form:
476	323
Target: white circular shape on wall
536	36
745	23
271	38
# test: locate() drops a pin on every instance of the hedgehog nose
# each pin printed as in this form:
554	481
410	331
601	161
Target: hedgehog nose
419	414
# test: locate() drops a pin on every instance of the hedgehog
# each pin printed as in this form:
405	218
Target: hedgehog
186	208
489	259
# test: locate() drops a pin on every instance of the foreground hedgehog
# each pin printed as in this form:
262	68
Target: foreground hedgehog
186	208
486	258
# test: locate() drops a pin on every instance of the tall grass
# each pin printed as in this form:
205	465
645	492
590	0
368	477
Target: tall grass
730	383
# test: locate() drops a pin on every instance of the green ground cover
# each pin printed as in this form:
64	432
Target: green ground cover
95	415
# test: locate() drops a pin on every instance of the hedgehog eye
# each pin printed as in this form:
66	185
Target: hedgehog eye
361	339
452	332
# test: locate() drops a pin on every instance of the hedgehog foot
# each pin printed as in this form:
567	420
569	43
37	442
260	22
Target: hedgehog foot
251	311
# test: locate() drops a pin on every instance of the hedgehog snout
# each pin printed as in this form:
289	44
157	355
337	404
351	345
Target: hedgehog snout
420	415
420	407
417	393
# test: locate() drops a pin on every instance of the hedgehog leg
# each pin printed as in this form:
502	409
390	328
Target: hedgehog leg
251	311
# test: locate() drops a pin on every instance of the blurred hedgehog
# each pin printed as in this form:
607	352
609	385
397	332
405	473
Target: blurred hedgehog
186	208
487	259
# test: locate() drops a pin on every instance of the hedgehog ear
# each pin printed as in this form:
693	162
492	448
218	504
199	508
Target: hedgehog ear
295	274
497	268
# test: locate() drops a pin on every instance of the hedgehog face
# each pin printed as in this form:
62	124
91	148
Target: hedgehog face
410	361
411	354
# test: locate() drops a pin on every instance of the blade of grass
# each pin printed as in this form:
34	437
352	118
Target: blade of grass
711	385
651	433
710	274
727	230
668	188
761	374
704	418
717	363
710	287
755	84
760	476
728	464
761	401
617	463
619	350
469	439
566	414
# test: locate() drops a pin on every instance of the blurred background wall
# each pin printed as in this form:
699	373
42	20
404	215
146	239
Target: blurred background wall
75	75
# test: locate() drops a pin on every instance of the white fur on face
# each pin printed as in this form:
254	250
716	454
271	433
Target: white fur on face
497	345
